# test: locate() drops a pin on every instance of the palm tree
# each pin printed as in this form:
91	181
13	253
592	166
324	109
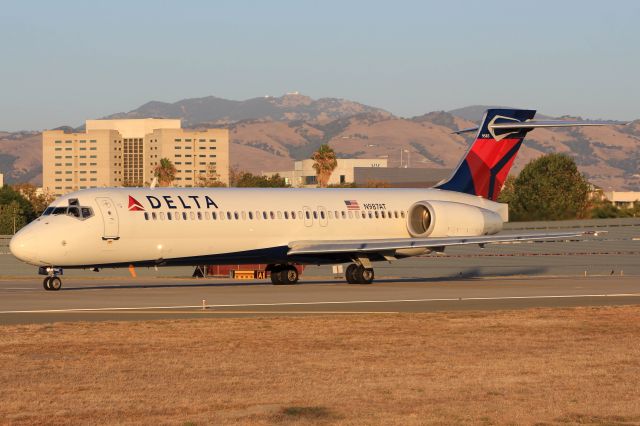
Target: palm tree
165	172
324	164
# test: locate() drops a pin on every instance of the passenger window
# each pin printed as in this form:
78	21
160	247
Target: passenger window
257	215
221	215
244	215
300	214
308	215
214	215
169	215
161	215
376	214
184	215
250	215
272	215
344	214
146	216
264	215
199	215
322	214
315	214
279	214
229	215
350	214
402	214
396	214
235	215
330	213
192	215
286	214
293	214
382	214
154	216
177	216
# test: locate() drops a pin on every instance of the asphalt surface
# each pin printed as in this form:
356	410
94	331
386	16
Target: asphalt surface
25	301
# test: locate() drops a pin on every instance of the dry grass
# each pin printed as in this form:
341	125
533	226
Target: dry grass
544	366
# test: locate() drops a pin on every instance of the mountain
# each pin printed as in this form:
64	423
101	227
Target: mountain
211	110
268	134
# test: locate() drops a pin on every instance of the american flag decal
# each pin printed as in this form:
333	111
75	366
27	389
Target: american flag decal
352	205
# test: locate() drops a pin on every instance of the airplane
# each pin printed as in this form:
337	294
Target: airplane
118	227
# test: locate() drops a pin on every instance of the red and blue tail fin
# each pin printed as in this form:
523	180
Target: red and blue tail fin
486	165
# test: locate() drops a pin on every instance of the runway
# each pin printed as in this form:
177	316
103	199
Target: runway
24	300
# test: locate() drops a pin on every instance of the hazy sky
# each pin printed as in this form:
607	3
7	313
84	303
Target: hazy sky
66	61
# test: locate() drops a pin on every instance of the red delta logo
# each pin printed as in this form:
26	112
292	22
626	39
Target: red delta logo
134	205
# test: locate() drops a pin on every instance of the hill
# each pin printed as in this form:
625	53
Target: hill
268	134
212	110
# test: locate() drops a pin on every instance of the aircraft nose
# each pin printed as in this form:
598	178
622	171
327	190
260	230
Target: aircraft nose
23	246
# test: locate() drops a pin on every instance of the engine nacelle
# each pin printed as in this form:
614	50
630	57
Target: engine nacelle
451	219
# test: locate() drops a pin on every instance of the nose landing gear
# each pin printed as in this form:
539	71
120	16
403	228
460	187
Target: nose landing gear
52	282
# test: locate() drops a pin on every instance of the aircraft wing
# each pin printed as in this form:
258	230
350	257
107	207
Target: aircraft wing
387	245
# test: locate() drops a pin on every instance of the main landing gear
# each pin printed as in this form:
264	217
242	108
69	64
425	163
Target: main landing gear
359	274
284	274
52	282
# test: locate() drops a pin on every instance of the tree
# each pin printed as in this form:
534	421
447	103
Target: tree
249	180
324	163
12	218
548	188
9	195
211	179
39	200
165	172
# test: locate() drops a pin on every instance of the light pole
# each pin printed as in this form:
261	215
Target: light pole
408	158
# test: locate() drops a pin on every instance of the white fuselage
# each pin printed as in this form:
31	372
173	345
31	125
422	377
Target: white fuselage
227	225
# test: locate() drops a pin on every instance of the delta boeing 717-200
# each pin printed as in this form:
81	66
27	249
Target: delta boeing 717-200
118	227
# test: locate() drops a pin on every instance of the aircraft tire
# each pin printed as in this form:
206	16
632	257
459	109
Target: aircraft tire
350	274
46	283
55	283
276	276
363	275
289	275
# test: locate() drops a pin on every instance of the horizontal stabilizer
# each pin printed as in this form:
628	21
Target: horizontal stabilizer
531	124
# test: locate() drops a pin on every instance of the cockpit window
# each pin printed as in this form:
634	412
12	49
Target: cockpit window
86	212
74	210
59	210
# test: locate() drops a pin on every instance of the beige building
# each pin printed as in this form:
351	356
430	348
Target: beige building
304	175
1	180
126	152
622	198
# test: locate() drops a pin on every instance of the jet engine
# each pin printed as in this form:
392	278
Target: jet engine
451	219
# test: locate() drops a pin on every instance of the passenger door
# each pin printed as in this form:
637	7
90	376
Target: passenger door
111	229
